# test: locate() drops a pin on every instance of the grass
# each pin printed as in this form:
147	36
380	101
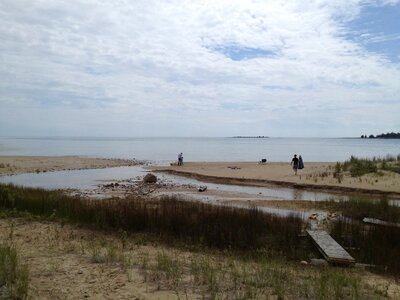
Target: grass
370	244
257	236
193	223
208	273
228	278
361	166
359	209
14	276
376	245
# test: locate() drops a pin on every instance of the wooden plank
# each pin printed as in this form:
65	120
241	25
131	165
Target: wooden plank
380	222
330	249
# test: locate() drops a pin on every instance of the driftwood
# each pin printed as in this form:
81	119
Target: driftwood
380	222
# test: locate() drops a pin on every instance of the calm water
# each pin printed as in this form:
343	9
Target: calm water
204	149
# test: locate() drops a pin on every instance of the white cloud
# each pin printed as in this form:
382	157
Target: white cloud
158	61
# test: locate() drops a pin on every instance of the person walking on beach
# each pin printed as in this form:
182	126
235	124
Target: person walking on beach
180	159
295	164
301	164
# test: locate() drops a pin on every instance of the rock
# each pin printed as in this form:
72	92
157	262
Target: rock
203	188
303	262
150	178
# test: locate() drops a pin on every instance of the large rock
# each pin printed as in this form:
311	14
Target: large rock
150	178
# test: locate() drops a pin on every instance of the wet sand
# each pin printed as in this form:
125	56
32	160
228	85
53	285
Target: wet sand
315	175
11	165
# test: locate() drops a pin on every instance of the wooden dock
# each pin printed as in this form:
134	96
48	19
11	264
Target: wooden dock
330	249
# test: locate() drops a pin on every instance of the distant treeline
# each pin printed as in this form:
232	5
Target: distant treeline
389	135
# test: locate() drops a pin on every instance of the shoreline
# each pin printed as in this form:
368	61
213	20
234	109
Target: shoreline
263	183
317	176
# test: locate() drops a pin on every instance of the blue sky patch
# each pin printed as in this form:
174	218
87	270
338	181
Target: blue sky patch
378	30
238	53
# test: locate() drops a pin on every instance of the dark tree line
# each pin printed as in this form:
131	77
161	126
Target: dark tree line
389	135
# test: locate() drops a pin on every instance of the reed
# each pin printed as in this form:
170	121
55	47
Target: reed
360	208
377	245
223	227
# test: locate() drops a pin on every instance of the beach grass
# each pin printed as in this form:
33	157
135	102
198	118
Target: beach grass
14	276
360	166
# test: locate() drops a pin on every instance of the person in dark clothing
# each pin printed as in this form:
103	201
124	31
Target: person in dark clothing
295	164
301	164
180	159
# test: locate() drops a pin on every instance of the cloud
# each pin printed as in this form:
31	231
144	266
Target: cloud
188	64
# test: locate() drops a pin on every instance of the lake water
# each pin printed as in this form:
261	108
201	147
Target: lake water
204	149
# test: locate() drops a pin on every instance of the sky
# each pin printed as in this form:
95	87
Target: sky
321	68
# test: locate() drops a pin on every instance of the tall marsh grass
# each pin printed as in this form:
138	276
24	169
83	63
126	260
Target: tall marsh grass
360	208
377	245
210	225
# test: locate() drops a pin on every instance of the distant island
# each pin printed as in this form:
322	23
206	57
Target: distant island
250	137
389	135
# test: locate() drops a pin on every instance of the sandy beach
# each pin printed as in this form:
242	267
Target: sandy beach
11	165
314	175
69	262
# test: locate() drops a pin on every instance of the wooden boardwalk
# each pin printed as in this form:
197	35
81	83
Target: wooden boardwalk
330	249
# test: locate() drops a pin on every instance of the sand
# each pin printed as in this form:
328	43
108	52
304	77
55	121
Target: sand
11	165
61	264
315	175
